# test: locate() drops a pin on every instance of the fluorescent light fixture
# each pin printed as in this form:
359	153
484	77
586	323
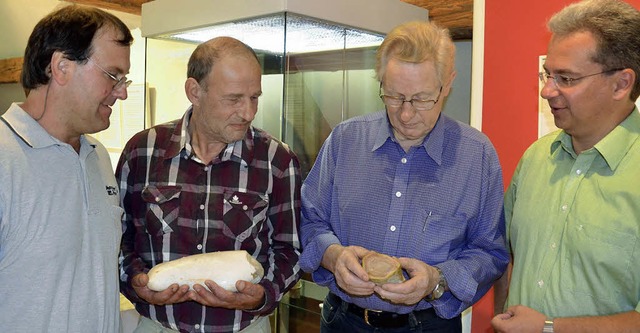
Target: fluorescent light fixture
304	34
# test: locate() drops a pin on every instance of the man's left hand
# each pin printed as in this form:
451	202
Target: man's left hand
520	319
422	280
248	296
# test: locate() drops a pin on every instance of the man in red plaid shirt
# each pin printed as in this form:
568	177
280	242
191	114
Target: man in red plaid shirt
210	182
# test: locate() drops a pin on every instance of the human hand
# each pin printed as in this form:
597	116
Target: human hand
173	294
422	280
248	296
519	319
345	263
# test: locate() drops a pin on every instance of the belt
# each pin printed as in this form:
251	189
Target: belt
380	319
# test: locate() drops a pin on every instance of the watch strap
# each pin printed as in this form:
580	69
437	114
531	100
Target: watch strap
548	326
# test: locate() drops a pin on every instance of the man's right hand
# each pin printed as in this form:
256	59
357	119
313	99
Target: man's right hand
173	294
345	263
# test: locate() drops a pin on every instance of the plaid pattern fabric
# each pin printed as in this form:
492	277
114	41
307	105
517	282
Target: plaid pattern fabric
246	199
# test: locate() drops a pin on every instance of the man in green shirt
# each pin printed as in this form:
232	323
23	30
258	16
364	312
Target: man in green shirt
573	205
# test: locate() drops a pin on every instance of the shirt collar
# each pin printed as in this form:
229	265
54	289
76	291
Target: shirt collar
30	131
433	143
618	142
613	147
180	141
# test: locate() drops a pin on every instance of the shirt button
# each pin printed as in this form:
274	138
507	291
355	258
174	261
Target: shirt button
392	228
197	326
199	246
403	160
540	283
206	168
244	207
578	171
201	207
157	199
398	194
564	207
553	245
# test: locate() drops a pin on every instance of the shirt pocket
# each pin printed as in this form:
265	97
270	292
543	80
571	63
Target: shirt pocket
435	238
163	208
595	254
245	213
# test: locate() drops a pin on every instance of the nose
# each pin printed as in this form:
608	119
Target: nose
406	111
121	92
248	110
549	89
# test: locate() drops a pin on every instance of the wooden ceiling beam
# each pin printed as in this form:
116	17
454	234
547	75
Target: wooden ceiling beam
127	6
456	15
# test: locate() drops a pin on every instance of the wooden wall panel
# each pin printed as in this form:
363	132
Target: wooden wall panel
10	70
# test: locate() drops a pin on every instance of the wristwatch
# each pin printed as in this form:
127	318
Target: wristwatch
548	326
440	288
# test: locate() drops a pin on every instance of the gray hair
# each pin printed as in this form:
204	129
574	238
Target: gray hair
416	42
208	53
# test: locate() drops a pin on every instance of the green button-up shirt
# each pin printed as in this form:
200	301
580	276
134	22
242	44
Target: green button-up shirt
573	222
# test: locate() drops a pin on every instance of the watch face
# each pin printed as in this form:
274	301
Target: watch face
439	291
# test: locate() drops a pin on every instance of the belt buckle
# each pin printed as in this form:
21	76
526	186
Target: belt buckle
366	315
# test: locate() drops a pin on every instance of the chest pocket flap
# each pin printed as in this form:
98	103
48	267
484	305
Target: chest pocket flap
164	207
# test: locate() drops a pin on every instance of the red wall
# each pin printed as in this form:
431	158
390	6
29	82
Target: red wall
515	36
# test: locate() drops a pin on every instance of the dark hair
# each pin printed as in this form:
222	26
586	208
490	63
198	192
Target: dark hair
208	53
616	27
70	30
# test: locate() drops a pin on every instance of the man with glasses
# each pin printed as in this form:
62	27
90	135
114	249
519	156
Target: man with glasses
60	224
408	182
573	205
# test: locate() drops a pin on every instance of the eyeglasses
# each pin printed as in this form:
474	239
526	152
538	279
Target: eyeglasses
119	82
562	81
418	104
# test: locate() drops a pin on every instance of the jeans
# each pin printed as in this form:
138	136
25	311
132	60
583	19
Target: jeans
336	319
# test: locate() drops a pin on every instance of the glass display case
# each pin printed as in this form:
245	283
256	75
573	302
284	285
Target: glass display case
318	61
317	57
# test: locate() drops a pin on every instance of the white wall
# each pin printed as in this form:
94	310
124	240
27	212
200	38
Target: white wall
17	19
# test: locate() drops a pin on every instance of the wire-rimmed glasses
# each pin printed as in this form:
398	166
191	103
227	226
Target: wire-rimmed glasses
119	82
563	81
417	103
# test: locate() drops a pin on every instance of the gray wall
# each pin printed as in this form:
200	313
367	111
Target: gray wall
458	105
9	93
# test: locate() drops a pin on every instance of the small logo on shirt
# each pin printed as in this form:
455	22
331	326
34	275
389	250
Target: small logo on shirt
234	200
111	190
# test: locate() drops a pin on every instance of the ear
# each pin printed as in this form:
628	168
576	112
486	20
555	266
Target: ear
624	84
60	68
446	87
193	90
